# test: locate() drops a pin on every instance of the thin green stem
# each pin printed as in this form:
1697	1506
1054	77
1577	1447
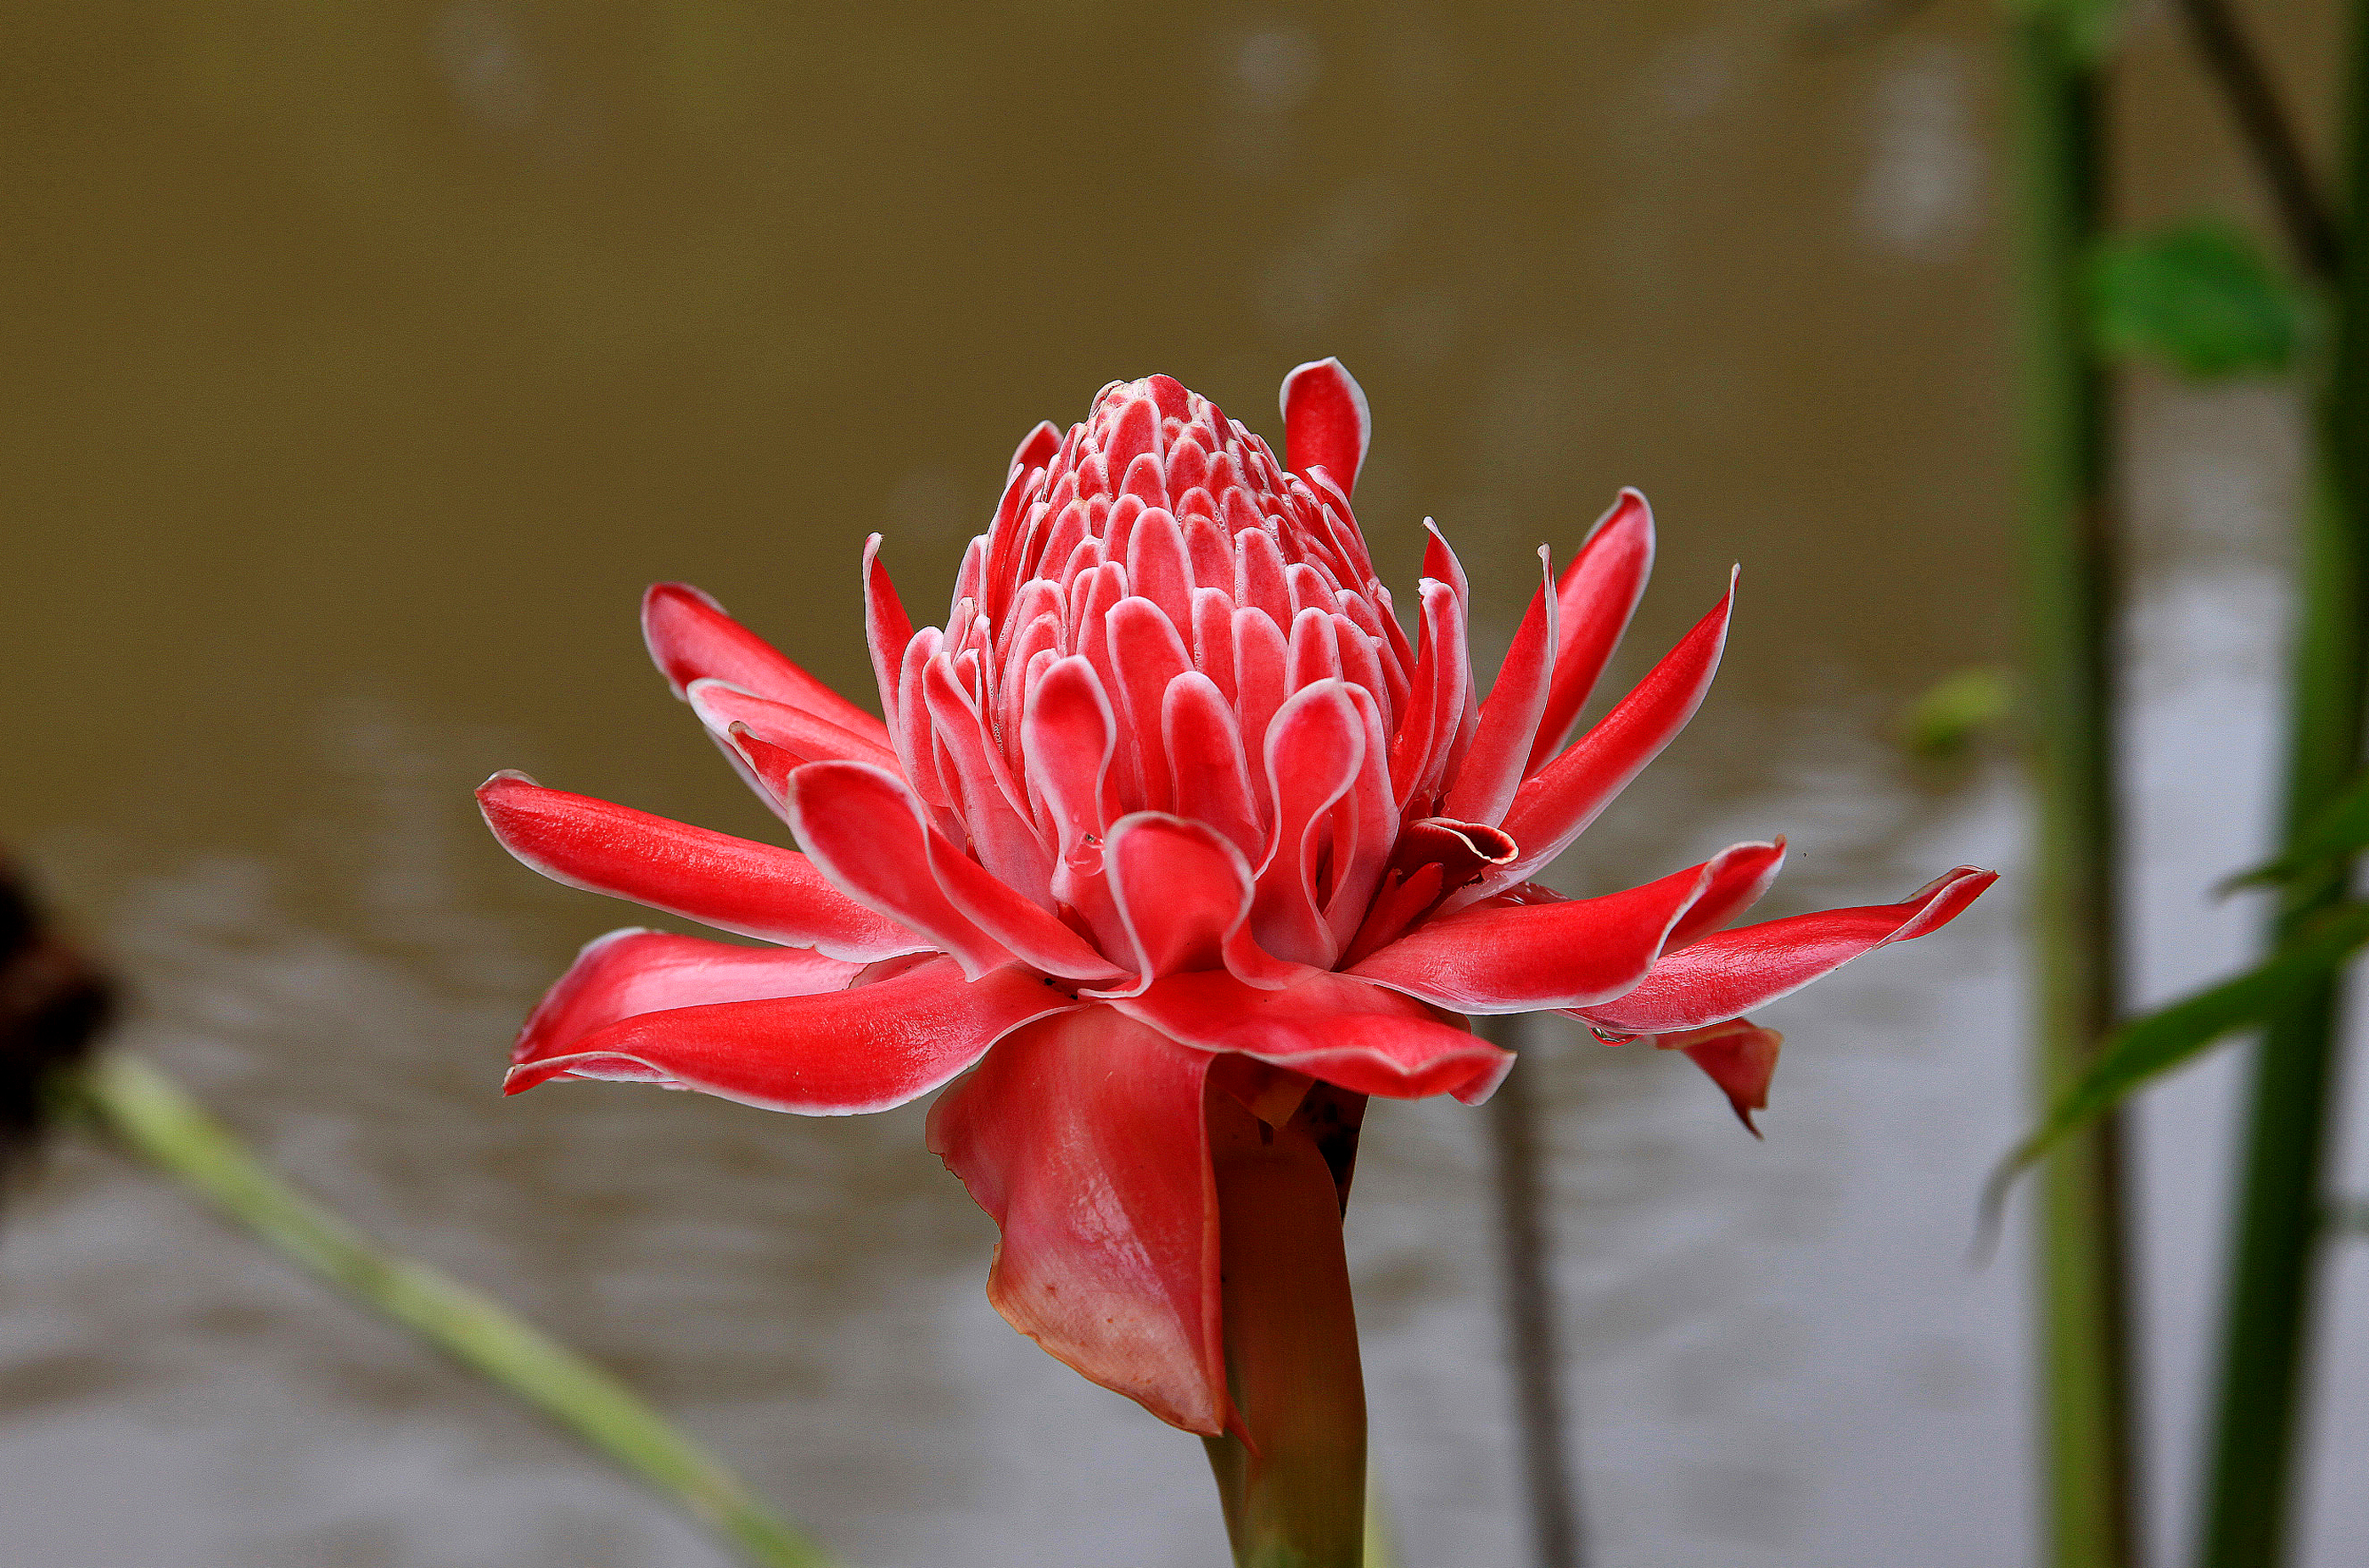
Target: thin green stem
155	1118
1293	1476
2091	1482
2267	1331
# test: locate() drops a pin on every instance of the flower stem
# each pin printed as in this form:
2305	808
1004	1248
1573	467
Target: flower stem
1293	1478
2268	1327
2091	1483
155	1118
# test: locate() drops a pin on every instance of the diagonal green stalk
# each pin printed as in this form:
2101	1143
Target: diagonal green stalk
155	1118
2266	1329
2091	1483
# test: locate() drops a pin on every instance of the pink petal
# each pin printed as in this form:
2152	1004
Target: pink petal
1209	777
1180	886
1739	1056
720	706
630	972
1516	957
1325	421
690	636
1598	593
1557	804
994	808
832	1055
868	835
731	884
1314	750
1730	974
1499	758
1068	736
1329	1026
1083	1137
887	628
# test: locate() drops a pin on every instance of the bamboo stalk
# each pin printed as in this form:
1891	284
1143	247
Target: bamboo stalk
156	1119
2266	1329
2091	1483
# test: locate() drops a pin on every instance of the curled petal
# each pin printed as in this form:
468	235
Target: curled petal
1084	1138
1730	974
735	885
1335	1028
1325	421
1558	803
1180	886
1314	750
1596	596
691	636
835	1054
630	972
887	628
1736	885
1514	958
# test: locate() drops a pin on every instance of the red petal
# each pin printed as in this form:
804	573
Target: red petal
630	972
1180	887
866	827
1208	776
1598	593
1736	887
865	1049
720	706
1314	748
1740	1057
887	628
1329	1026
1084	1138
691	636
1508	957
1068	736
1725	976
731	884
1499	758
1325	421
1559	802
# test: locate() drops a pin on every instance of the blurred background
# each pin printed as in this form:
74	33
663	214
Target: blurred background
366	362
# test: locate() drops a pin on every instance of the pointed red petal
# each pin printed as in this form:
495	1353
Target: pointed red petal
720	704
630	972
1598	593
690	636
1730	974
1499	757
1508	957
835	1054
1180	887
1329	1026
1559	802
734	885
1084	1138
1739	1056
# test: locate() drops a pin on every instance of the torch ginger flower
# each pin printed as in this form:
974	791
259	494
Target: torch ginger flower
1170	823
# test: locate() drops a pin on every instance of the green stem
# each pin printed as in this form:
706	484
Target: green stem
152	1116
2091	1482
2268	1320
1293	1480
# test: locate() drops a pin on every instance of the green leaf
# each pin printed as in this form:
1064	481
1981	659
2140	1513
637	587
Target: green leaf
2162	1040
2201	298
1944	720
2340	828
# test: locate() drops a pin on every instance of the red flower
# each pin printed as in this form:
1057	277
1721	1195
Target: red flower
1169	803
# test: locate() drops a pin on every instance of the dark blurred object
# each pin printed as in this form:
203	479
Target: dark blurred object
53	1004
